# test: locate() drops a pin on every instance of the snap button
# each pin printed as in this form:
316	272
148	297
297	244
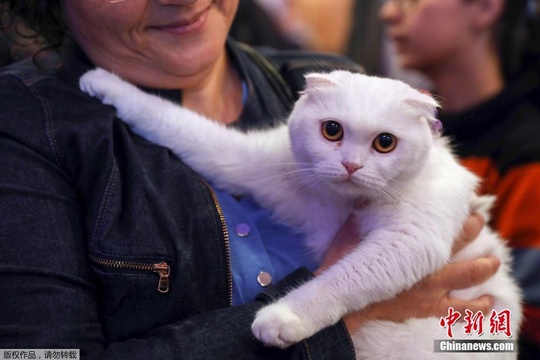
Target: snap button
242	230
264	279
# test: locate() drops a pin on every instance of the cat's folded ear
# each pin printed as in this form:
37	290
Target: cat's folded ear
425	102
319	80
422	101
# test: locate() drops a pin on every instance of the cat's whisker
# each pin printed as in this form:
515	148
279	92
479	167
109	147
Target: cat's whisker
299	180
392	194
307	180
389	196
422	80
310	180
296	164
292	174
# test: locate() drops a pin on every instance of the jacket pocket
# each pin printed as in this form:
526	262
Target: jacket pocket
162	269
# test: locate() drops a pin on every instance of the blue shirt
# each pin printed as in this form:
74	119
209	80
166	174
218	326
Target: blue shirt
259	244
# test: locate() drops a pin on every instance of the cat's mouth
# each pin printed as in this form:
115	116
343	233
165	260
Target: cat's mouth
347	188
345	182
351	186
344	178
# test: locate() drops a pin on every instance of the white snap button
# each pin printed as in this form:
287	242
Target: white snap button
264	279
242	230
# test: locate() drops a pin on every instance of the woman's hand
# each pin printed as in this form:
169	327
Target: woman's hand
430	297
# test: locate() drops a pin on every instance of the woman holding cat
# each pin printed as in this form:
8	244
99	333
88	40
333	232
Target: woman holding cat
111	244
483	57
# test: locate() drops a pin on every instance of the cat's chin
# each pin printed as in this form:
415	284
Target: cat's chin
348	188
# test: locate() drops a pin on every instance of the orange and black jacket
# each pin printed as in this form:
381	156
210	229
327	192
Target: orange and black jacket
499	140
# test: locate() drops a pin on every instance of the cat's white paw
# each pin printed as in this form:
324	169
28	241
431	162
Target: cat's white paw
103	85
277	325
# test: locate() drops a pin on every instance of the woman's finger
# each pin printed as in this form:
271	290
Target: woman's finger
464	274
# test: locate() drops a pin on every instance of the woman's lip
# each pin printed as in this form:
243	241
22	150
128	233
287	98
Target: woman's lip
183	27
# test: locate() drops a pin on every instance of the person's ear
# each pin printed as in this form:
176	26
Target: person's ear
486	12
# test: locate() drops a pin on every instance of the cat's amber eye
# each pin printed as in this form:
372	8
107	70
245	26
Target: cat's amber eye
332	130
384	143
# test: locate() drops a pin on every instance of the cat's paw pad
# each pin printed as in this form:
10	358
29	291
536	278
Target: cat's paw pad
101	84
277	325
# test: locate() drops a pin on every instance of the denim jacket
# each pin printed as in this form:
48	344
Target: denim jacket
109	243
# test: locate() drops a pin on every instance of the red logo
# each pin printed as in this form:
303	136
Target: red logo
499	322
449	321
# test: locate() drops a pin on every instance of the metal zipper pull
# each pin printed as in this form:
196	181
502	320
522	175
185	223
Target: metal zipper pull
164	270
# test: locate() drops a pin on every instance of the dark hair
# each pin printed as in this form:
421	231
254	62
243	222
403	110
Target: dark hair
44	17
34	28
519	36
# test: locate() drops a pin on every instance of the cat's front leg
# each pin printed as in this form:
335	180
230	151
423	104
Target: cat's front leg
150	116
385	263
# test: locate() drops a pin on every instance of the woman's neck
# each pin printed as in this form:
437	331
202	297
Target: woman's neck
219	95
469	82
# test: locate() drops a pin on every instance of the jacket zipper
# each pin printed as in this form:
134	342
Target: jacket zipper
162	269
226	240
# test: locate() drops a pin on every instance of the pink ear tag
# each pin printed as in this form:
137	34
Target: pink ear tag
436	125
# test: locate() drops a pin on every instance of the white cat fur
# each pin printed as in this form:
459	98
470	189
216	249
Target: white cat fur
409	204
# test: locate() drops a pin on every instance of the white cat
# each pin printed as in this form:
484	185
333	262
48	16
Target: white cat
354	144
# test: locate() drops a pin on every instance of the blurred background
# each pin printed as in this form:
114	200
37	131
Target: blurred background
350	27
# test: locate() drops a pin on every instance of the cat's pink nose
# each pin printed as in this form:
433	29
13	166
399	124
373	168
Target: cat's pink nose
351	166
